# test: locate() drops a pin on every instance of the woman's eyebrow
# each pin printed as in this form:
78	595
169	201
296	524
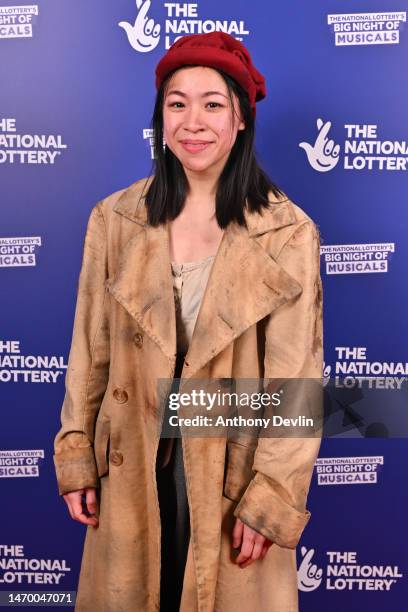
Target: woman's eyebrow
207	93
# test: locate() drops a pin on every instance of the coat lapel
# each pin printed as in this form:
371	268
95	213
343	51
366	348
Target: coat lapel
245	283
143	281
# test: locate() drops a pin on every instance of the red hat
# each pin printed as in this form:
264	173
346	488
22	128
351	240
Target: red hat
218	50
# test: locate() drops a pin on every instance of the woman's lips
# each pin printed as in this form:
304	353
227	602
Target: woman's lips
195	147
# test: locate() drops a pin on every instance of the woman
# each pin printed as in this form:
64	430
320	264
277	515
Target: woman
205	270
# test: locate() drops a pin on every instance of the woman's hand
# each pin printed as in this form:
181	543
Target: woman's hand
253	544
74	503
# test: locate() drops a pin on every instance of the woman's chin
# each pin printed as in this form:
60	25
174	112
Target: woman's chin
197	165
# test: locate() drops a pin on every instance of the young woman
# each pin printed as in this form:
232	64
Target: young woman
203	270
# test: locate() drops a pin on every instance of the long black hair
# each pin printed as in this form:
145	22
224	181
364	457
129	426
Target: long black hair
241	178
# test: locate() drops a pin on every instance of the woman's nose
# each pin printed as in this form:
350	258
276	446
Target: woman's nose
193	118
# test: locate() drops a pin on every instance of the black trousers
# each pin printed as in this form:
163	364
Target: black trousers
175	522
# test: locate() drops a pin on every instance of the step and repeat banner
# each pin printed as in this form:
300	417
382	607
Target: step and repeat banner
76	98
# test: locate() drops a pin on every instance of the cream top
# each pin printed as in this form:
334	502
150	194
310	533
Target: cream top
189	283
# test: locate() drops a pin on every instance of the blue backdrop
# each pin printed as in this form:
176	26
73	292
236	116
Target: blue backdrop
76	97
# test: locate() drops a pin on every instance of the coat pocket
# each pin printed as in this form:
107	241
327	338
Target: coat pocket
101	446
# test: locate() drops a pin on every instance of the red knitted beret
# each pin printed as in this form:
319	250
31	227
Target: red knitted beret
218	50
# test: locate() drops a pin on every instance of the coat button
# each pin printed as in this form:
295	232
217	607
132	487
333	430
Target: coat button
138	339
120	395
116	458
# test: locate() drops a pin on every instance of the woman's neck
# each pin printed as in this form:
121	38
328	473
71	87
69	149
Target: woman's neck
202	188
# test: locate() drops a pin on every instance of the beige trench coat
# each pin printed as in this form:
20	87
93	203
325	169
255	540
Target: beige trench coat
261	316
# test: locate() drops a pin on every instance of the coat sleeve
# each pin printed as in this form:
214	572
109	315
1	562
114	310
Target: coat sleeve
88	365
274	502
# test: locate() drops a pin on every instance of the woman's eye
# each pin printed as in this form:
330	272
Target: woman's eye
172	104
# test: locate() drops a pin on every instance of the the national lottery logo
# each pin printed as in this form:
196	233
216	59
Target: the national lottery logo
357	258
16	367
361	149
17	21
21	463
348	470
363	397
144	31
309	574
27	148
19	569
353	368
19	252
323	153
367	28
342	571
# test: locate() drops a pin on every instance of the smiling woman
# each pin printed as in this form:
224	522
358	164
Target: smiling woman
207	93
204	270
197	117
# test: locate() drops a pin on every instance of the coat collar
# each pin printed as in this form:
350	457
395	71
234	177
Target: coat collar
245	283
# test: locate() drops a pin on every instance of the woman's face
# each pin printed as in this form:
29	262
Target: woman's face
199	127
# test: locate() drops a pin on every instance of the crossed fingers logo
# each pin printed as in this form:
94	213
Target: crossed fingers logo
144	34
323	155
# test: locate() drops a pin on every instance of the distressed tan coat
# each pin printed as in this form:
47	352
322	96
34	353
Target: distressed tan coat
261	316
